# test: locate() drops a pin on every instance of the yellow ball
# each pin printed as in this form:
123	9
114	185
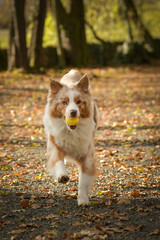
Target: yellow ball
72	121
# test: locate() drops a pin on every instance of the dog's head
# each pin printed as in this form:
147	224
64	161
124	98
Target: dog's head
70	102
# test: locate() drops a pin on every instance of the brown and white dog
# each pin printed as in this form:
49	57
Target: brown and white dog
72	98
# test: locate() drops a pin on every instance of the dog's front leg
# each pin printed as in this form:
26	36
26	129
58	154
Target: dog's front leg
87	173
55	165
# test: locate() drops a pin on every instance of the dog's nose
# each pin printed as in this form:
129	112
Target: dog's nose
73	113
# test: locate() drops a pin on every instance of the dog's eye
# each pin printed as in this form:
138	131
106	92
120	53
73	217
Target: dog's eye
64	103
78	102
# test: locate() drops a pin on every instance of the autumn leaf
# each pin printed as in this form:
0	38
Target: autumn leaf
78	223
16	174
133	228
60	212
135	194
25	204
35	206
94	202
73	189
100	193
5	168
40	176
124	201
154	232
51	233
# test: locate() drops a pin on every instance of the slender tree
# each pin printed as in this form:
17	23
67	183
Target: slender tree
12	52
35	50
132	15
17	53
126	14
72	47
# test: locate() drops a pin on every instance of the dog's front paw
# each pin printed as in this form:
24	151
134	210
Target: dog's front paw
83	200
63	179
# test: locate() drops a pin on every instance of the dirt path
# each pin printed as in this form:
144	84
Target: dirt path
124	202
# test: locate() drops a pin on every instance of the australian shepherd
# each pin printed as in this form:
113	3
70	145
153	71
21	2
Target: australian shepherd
70	121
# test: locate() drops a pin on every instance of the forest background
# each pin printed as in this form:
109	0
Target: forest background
44	34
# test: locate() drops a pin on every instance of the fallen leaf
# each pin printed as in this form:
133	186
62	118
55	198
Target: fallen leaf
132	228
60	211
124	201
39	237
16	174
135	194
73	189
35	206
123	218
154	232
25	204
79	223
93	202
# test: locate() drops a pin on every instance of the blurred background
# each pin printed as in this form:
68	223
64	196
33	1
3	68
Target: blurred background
39	34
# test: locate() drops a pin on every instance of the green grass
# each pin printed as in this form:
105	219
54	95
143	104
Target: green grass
4	37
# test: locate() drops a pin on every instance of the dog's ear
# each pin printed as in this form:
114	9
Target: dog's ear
83	84
55	86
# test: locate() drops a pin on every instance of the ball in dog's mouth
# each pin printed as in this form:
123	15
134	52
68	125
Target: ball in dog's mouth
72	122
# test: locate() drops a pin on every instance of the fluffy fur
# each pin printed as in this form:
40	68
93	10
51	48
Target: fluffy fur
71	97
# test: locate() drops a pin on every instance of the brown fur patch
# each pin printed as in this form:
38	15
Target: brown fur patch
55	86
91	171
58	148
58	110
60	154
83	106
83	84
56	96
95	115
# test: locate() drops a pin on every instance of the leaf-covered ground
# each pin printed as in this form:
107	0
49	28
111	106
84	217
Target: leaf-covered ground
124	202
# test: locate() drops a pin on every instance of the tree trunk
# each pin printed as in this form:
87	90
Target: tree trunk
71	32
35	51
12	47
132	12
59	13
17	54
130	34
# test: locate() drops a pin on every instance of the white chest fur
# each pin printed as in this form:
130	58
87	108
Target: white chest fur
75	143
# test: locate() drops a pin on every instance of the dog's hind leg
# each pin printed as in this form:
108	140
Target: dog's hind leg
55	165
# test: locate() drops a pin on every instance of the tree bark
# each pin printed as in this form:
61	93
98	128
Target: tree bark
71	32
12	47
126	13
132	12
59	13
35	51
17	53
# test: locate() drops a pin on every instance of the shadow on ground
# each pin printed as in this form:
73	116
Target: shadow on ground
44	216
